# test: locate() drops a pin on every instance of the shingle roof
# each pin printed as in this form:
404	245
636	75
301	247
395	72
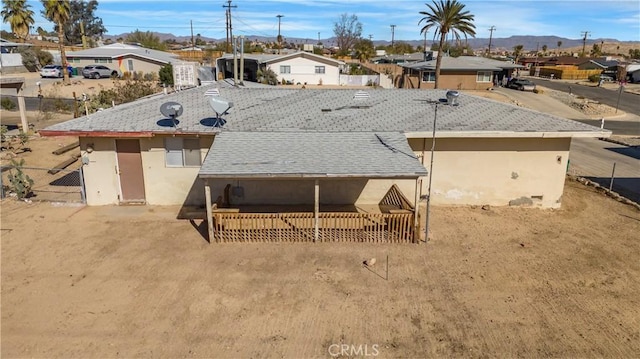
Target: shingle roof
329	110
311	154
471	63
118	50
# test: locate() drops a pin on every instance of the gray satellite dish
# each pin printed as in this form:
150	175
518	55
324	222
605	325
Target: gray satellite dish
219	105
171	109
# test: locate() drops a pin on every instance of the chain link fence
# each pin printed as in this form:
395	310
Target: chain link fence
49	184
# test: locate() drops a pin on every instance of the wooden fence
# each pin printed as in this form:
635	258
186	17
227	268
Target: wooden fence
300	227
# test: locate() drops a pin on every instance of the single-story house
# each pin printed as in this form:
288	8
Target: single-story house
633	73
314	151
123	57
297	67
608	67
404	58
461	73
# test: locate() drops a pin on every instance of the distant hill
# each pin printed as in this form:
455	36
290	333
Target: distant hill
529	42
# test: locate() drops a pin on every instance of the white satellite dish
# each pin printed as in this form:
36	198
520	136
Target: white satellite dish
219	105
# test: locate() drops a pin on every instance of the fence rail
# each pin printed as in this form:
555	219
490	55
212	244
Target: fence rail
49	184
300	227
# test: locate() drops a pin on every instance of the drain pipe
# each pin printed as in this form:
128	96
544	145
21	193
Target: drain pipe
235	61
242	60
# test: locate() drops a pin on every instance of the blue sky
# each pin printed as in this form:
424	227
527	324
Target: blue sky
305	18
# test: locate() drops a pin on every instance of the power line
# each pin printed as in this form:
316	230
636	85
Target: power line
228	8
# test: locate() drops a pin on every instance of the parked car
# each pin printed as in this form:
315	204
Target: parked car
51	71
521	84
98	71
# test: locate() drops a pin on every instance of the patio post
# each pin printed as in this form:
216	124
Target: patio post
416	232
207	197
22	108
316	210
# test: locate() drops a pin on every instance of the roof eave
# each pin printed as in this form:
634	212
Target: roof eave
311	175
510	134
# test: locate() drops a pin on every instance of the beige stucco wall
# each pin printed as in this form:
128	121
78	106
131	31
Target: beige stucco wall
303	70
466	171
496	171
163	185
357	191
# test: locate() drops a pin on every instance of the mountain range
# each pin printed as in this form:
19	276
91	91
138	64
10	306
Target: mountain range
529	42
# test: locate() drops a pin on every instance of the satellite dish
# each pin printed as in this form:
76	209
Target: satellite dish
219	105
172	110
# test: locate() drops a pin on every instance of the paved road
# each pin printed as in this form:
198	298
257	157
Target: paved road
629	102
594	159
628	125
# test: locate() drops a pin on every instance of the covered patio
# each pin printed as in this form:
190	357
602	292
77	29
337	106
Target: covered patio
311	187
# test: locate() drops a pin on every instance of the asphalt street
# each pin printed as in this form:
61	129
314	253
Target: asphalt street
629	102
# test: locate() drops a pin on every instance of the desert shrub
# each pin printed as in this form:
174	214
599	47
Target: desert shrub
267	76
138	75
124	91
594	78
44	57
126	75
150	76
165	74
20	183
29	58
538	91
3	133
7	104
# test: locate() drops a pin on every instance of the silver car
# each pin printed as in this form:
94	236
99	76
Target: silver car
521	84
98	71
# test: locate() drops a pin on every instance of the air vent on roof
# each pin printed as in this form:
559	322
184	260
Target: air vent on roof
361	95
452	98
212	92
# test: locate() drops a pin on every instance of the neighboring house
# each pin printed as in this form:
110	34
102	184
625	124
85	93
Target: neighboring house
608	67
461	73
298	67
633	73
123	57
405	58
10	58
321	150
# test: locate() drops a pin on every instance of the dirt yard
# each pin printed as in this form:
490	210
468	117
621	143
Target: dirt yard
107	282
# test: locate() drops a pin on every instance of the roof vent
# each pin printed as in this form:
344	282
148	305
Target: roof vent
452	98
361	95
212	92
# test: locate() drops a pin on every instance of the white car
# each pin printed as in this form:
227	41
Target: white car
51	71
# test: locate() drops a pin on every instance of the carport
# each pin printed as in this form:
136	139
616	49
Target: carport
18	84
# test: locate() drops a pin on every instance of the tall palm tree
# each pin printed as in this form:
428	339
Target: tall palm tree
19	17
446	16
58	12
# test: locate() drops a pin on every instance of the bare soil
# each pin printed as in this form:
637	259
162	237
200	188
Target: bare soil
107	282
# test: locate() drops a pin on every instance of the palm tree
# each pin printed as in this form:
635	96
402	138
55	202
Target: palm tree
19	17
58	12
446	16
559	44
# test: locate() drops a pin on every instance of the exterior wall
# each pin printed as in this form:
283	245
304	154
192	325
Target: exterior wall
358	191
303	70
458	80
496	171
163	185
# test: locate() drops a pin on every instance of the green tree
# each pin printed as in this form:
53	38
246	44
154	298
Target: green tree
446	16
82	14
146	39
166	74
596	50
517	51
57	11
634	53
559	43
19	16
364	49
348	30
544	50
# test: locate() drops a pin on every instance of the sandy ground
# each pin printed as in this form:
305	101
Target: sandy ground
106	282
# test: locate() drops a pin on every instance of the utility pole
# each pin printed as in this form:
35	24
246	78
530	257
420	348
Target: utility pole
229	27
318	37
393	30
279	37
193	44
370	37
584	34
491	30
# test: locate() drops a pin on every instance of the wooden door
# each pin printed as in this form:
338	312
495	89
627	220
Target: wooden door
130	171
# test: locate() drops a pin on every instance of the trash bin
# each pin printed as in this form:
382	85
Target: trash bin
74	71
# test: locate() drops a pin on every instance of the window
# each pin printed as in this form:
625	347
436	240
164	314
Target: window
102	61
130	67
285	69
484	76
319	69
182	152
429	76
